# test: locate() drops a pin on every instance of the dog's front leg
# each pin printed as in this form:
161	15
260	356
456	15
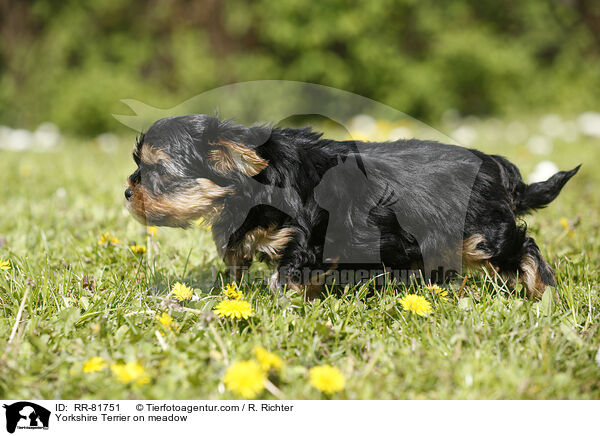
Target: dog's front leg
237	262
298	268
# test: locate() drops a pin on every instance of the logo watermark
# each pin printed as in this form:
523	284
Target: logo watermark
25	415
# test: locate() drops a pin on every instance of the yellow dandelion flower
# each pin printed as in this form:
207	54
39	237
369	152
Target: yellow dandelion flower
567	226
327	378
441	293
137	249
266	359
4	264
152	231
106	238
165	319
232	292
130	372
245	378
182	292
416	304
94	364
234	309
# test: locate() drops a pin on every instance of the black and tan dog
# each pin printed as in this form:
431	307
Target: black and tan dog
305	203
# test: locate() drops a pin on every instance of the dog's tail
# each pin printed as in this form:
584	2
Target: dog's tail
538	195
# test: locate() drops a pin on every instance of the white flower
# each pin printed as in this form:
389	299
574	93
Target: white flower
19	140
589	123
539	145
552	125
570	132
108	142
516	132
46	136
400	133
364	125
543	171
465	135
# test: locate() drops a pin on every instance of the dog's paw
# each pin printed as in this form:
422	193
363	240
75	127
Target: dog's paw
274	284
278	282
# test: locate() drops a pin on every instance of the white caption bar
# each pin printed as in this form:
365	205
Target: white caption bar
23	417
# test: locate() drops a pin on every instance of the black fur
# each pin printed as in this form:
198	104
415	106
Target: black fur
406	178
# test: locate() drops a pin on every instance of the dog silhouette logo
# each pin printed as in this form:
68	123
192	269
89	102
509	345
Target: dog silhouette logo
26	415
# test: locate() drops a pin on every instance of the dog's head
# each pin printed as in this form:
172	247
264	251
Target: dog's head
187	166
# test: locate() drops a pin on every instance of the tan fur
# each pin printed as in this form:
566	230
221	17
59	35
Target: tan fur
237	262
151	156
268	241
231	156
530	277
179	209
472	256
311	290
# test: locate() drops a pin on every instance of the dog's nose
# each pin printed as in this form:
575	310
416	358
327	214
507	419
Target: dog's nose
128	193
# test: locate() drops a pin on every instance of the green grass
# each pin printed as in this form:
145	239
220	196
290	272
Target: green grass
487	343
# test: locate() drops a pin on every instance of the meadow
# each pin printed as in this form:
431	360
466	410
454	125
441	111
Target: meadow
85	315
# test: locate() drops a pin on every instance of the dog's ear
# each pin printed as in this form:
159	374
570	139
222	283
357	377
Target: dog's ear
228	156
232	147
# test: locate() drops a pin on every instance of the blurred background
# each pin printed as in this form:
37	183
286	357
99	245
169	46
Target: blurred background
65	65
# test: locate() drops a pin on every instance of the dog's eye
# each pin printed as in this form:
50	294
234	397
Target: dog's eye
135	178
161	170
156	178
154	170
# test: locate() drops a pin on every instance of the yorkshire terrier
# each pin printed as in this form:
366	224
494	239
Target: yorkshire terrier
314	206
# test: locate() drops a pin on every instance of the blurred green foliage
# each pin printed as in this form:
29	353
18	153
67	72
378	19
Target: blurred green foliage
71	62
